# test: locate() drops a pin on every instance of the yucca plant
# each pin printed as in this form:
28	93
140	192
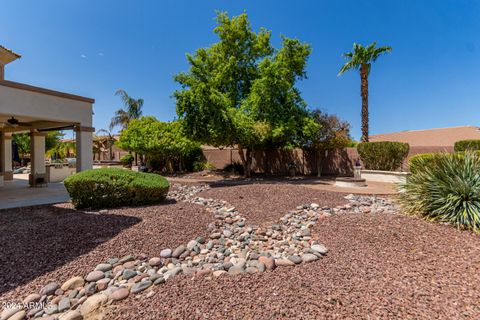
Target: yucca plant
446	189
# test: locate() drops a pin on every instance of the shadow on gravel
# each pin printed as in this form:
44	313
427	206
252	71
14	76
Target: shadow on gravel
36	240
272	180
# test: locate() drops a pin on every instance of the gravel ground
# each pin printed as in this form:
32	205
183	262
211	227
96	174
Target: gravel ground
47	243
265	203
378	267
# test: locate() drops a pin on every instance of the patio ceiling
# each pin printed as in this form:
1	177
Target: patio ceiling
28	123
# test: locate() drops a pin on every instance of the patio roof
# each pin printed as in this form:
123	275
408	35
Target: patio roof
7	55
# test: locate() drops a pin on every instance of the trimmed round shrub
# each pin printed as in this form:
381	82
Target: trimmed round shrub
447	189
418	161
464	145
115	187
383	155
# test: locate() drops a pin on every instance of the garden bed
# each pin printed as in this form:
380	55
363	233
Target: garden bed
385	176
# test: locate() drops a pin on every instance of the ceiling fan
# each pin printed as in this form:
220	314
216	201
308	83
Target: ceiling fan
12	122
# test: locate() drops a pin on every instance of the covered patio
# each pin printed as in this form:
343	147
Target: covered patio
26	108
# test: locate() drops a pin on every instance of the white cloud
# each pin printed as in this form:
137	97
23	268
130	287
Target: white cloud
83	56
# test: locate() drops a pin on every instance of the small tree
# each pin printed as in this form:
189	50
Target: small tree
106	140
240	92
154	138
332	134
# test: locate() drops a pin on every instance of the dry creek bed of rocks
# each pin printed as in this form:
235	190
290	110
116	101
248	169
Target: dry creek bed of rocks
233	247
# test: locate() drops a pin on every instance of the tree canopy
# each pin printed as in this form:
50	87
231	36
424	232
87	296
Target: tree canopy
241	91
149	136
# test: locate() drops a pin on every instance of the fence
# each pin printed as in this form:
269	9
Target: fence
335	163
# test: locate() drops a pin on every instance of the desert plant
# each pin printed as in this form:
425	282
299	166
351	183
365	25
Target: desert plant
418	161
446	189
383	155
201	165
464	145
114	187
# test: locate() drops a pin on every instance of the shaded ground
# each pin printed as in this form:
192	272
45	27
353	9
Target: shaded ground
53	243
378	267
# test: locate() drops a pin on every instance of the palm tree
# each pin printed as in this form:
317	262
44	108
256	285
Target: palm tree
107	141
361	59
124	116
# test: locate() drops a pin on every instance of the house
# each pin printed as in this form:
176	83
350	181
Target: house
439	138
26	108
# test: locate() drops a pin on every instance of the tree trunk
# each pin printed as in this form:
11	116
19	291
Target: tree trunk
246	160
319	163
364	93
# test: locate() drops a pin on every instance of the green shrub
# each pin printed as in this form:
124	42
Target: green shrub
418	161
127	159
114	187
446	189
201	165
464	145
383	155
235	167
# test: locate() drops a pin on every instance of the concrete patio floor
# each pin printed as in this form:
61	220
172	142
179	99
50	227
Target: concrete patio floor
17	193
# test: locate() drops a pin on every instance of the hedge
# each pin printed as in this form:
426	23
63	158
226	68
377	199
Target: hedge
383	155
464	145
114	187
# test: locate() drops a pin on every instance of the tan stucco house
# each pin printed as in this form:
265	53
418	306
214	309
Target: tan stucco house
25	108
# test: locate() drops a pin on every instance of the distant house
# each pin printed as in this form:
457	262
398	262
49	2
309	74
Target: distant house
438	138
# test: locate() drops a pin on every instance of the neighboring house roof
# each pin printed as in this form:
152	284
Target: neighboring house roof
431	137
7	55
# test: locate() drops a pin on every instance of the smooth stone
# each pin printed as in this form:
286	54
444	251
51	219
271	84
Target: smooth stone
95	276
126	259
140	286
155	261
252	270
295	259
49	289
201	240
53	308
308	257
112	261
159	280
103	267
34	297
173	272
73	283
102	284
93	303
119	294
18	315
71	315
178	251
227	233
128	274
268	262
64	305
91	288
320	248
235	270
215	235
166	253
283	263
9	312
191	244
218	273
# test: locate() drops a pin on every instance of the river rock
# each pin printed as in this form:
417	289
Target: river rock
166	253
140	286
320	248
73	283
178	251
49	289
95	276
92	303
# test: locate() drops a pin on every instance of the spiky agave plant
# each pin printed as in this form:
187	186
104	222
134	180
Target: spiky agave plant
446	189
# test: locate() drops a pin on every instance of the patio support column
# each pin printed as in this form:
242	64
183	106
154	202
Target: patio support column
6	155
37	158
84	146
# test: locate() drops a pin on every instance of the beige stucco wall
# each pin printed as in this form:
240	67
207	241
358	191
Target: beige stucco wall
20	102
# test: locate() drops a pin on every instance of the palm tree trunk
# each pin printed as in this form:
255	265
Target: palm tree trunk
364	93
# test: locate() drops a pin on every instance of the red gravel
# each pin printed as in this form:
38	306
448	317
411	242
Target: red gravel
378	267
265	203
53	243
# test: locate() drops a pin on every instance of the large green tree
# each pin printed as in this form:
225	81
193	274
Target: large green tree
157	139
361	58
241	91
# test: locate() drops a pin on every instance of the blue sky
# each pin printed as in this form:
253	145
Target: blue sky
93	48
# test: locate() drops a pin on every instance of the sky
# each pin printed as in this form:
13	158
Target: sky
94	47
